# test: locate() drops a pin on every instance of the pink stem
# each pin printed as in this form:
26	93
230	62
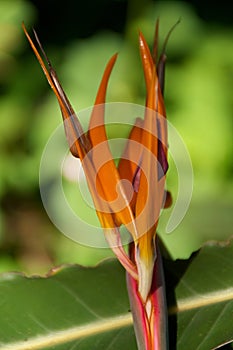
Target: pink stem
150	319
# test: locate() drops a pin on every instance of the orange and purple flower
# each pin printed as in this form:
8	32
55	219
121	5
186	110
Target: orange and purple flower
144	166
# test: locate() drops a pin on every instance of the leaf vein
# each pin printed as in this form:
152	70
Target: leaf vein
79	300
212	327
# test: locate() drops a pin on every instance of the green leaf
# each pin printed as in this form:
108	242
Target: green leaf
204	295
74	308
87	308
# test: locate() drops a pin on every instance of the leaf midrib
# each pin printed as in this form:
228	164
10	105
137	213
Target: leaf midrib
74	333
202	300
109	324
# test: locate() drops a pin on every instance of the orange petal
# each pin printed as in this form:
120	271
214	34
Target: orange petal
108	183
150	194
154	100
148	68
147	60
130	160
97	132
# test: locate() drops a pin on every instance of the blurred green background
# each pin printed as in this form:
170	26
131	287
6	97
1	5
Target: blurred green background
79	38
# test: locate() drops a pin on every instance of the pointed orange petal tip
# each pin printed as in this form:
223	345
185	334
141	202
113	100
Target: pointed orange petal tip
144	49
147	61
96	129
100	98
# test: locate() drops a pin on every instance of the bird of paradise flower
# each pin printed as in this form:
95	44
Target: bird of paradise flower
144	165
